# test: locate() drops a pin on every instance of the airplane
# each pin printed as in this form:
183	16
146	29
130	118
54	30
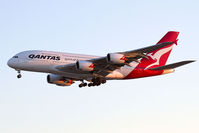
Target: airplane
65	68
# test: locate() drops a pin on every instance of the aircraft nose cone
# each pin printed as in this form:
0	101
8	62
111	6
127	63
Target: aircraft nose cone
10	63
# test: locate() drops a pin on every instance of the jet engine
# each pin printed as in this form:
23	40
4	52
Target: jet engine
59	80
116	58
85	65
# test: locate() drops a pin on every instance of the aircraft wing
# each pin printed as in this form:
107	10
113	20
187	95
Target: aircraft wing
103	67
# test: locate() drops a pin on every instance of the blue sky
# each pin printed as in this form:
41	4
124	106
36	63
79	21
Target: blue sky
168	103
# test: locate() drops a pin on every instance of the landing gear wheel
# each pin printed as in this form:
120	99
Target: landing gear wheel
84	84
90	84
19	76
80	85
103	81
98	84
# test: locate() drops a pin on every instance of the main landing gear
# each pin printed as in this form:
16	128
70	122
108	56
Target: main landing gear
83	84
19	74
95	82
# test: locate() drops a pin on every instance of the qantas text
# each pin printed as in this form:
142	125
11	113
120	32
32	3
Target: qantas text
47	57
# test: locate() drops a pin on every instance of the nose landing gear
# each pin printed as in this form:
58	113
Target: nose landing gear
19	74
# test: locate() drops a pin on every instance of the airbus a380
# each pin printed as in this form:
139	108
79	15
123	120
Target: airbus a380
65	68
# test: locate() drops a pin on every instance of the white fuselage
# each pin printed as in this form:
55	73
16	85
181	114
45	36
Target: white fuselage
46	61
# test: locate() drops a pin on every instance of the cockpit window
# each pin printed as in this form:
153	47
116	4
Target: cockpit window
15	57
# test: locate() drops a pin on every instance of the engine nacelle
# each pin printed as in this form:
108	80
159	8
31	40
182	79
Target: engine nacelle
85	65
116	58
59	80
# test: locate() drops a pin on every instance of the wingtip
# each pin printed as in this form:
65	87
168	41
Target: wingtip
193	61
190	61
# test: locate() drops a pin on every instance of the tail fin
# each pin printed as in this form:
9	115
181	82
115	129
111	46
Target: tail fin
159	57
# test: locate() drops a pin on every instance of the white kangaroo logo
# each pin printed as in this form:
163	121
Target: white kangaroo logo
156	57
150	55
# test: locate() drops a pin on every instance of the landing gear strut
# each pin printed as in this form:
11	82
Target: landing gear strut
19	74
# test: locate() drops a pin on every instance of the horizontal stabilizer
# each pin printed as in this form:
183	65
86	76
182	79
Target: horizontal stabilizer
174	65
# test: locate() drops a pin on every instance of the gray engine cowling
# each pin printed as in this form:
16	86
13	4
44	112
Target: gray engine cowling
85	65
116	58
